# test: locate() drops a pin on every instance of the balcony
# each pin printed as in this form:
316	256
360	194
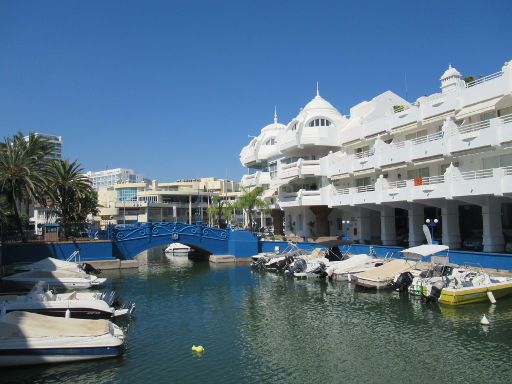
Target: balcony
304	198
248	154
308	136
300	168
255	179
485	88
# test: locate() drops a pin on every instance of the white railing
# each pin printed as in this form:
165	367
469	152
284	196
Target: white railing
425	139
368	153
506	119
480	174
432	180
311	162
484	79
398	144
474	127
507	171
342	191
397	184
288	166
365	188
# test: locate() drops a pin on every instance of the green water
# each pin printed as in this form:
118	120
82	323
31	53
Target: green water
263	328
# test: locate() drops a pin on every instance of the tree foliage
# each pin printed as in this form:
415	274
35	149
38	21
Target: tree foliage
251	200
220	208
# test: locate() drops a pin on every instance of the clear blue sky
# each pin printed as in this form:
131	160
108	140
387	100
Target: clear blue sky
174	88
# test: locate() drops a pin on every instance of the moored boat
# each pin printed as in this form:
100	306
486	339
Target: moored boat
382	276
177	249
62	278
28	338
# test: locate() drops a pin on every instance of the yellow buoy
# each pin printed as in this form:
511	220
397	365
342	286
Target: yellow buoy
198	349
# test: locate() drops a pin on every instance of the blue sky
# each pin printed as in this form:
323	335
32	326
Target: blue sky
172	89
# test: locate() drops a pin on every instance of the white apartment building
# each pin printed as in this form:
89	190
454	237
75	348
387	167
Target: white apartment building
377	175
56	143
110	177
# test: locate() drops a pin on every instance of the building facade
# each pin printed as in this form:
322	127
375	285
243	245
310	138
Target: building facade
184	200
378	175
110	177
55	141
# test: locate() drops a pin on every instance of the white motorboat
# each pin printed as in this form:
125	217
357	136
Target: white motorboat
91	305
383	275
52	264
62	278
28	338
177	249
340	270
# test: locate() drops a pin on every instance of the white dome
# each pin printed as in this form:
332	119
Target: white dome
318	103
450	72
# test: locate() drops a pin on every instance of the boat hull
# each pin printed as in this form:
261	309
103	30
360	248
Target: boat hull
32	356
472	294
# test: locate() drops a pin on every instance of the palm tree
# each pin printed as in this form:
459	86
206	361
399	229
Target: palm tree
23	172
250	200
219	208
71	193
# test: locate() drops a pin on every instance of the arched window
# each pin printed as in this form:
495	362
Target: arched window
319	123
270	141
294	127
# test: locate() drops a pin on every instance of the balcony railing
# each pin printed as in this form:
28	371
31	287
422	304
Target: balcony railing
484	79
342	191
474	127
368	153
507	171
432	180
425	139
365	188
397	184
473	175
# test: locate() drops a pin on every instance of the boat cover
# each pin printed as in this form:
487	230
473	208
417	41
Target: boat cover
424	250
61	273
387	271
50	264
31	325
352	262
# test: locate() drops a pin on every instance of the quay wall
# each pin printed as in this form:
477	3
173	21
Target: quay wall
35	251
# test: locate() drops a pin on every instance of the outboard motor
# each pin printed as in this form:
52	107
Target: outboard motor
321	270
298	266
89	269
435	292
402	282
259	264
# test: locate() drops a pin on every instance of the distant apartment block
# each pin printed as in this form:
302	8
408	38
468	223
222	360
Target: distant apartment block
111	177
55	141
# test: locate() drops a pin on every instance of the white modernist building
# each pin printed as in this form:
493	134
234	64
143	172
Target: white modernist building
111	177
378	175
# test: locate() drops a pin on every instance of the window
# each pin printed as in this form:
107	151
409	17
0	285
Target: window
270	141
415	135
363	182
487	115
416	173
504	111
319	123
294	127
497	161
362	149
272	168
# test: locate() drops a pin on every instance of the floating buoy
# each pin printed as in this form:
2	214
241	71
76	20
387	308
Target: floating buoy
68	314
198	349
491	297
484	320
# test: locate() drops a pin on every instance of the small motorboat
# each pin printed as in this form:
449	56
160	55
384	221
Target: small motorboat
382	276
340	270
90	305
52	264
177	249
59	279
466	286
29	338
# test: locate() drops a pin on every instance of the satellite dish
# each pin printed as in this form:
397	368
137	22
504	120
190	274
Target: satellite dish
427	234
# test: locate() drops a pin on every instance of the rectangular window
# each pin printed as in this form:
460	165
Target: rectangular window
416	135
504	111
416	173
363	181
487	115
505	160
491	162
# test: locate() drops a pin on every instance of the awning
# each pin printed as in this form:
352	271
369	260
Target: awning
486	106
441	116
424	250
269	192
364	171
428	160
339	177
392	167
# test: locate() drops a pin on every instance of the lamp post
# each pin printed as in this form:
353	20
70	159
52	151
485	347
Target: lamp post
346	224
432	225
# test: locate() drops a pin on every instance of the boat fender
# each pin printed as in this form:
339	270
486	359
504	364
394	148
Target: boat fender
491	297
198	349
484	320
68	314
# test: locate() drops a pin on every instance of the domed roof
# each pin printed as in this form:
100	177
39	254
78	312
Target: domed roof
450	72
318	103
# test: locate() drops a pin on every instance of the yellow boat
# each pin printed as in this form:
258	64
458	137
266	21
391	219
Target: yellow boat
466	286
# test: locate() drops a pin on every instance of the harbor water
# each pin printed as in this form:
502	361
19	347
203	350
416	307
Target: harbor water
265	328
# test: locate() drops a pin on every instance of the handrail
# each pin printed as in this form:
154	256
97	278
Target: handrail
506	119
474	127
74	256
424	139
342	191
480	174
365	188
368	153
507	171
439	179
484	79
398	184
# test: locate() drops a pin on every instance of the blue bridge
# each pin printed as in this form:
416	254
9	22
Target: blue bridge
130	240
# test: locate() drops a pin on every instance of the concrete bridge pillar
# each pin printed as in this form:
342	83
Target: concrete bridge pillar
416	216
493	240
322	221
450	224
277	221
387	225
